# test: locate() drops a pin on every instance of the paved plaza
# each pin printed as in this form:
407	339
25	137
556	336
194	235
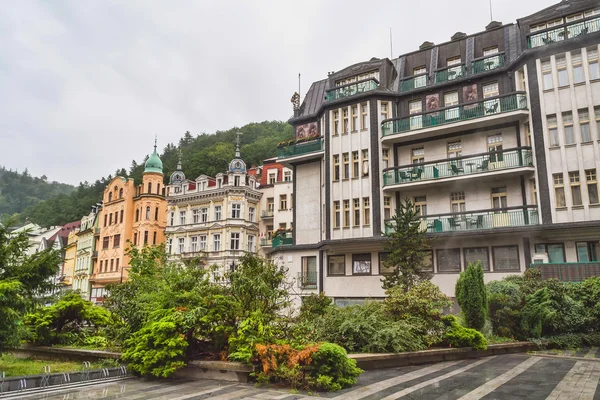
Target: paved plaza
517	376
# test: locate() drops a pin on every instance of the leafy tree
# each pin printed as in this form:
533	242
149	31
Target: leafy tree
471	295
406	243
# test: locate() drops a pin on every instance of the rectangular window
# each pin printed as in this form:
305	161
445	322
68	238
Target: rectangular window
364	116
559	190
346	213
533	186
451	99
169	245
384	114
563	76
181	245
365	162
172	218
251	241
287	176
478	254
356	209
217	213
385	157
577	65
584	125
547	75
204	214
366	211
555	252
116	240
309	272
506	258
457	202
552	130
336	167
592	185
251	213
355	165
195	216
597	116
415	107
567	118
216	242
135	239
499	198
420	81
283	201
110	219
336	214
448	260
145	238
345	120
361	264
387	207
383	269
575	184
491	91
455	150
336	265
336	123
346	165
592	56
421	205
236	210
194	244
105	242
154	237
272	177
528	134
202	242
234	244
354	118
418	155
588	251
112	264
181	217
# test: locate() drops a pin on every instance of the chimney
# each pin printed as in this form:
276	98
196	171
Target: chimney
426	45
458	35
493	25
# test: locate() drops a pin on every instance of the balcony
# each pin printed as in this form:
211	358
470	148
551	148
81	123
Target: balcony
307	280
414	82
450	73
95	254
493	110
568	31
301	151
266	214
282	241
459	167
477	220
351	89
486	64
569	272
266	243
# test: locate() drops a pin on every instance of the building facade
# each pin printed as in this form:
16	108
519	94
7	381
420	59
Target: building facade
494	136
68	268
130	215
215	218
86	253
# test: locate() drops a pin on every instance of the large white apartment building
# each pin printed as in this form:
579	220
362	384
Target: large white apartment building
495	136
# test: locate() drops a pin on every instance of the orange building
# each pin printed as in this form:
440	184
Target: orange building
130	215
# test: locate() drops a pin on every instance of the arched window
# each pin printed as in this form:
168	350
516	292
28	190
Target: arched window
121	217
149	187
148	212
156	214
121	193
110	196
137	215
158	188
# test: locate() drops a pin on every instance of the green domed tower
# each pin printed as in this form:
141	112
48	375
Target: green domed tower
153	164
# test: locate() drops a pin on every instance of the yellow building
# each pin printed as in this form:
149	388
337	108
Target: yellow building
129	215
68	269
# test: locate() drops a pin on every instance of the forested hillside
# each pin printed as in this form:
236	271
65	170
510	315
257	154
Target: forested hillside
19	190
201	154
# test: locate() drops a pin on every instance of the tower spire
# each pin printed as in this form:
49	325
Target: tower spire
155	139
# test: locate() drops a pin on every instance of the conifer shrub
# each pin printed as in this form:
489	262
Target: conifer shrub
471	295
459	336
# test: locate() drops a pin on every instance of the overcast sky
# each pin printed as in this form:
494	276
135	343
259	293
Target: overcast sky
86	84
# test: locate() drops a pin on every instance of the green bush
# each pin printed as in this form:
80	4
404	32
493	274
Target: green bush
158	349
568	341
331	369
471	295
314	305
536	313
459	336
504	305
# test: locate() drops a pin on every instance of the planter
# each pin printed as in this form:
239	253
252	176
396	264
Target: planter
217	370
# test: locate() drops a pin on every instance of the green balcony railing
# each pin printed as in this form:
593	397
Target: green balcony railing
459	166
569	272
300	148
414	82
454	114
487	64
477	220
281	241
351	89
564	32
307	280
450	73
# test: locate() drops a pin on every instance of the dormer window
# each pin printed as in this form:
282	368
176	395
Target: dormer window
219	183
272	177
236	180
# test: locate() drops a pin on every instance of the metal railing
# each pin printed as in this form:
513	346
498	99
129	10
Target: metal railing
300	148
307	280
450	73
569	272
476	220
569	31
281	241
266	214
351	89
458	113
266	242
488	63
459	166
414	82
